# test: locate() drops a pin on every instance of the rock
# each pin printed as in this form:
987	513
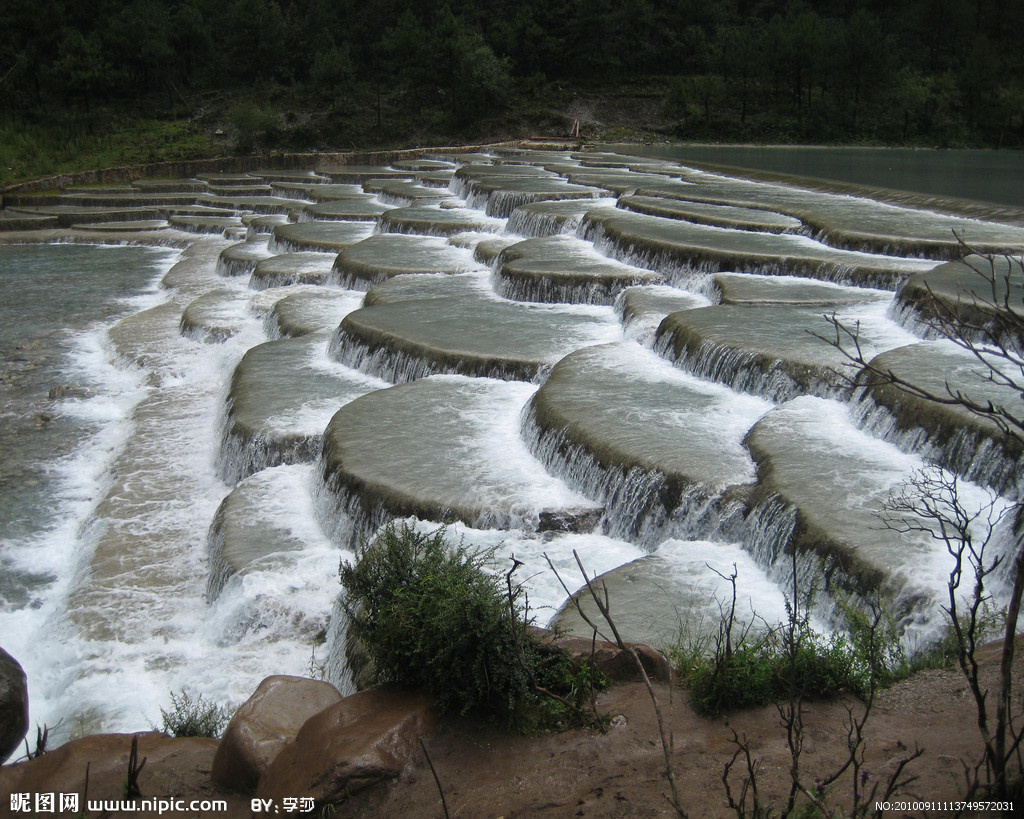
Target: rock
174	767
674	594
278	404
615	663
824	502
664	245
452	328
962	291
958	439
725	216
562	268
360	662
264	724
364	739
569	520
634	433
377	464
13	705
776	351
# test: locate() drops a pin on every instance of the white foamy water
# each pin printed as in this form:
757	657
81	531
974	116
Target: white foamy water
123	621
845	481
116	615
708	565
275	612
36	634
878	331
502	467
544	594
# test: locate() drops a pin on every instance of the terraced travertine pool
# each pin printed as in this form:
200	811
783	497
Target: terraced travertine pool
545	351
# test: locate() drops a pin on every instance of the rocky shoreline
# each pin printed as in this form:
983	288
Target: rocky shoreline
295	743
366	756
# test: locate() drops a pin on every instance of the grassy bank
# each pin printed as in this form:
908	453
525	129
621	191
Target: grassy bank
271	117
357	116
29	150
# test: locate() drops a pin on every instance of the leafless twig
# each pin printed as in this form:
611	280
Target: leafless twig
604	607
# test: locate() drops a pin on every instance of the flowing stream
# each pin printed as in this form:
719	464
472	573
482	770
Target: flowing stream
204	414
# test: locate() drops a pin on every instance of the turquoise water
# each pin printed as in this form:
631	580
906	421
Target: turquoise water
984	175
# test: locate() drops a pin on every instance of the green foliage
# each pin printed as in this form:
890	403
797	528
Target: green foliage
790	660
942	655
332	67
194	716
765	671
433	618
772	70
872	639
255	126
80	67
446	63
31	150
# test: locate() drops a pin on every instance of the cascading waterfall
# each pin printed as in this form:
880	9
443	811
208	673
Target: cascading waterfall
641	506
396	366
240	260
768	538
711	250
195	645
279	245
966	452
685	275
503	203
551	291
530	223
473	198
399	366
740	369
242	455
347	280
907	317
337	665
920	250
351	519
220	570
263	226
270	615
397	200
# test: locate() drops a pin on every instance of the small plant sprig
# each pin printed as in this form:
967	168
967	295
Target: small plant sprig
42	741
130	788
194	716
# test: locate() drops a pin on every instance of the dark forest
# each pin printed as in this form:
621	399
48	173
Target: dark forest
313	73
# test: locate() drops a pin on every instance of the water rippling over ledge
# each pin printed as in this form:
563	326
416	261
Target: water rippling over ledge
194	454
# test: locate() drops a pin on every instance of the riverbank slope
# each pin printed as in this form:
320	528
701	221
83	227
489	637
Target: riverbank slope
619	772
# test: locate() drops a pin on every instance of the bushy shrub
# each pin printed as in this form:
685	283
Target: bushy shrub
194	716
433	618
771	669
741	679
791	660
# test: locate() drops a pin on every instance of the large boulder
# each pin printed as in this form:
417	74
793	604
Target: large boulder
366	738
266	723
95	767
13	705
617	664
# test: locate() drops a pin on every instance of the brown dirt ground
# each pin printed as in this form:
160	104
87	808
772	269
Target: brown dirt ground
620	773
